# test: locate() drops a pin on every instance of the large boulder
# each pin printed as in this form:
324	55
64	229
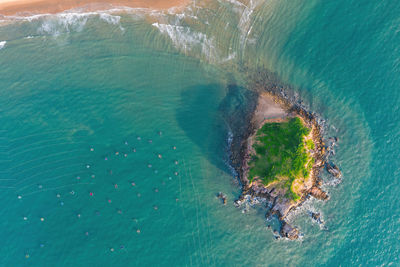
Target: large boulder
288	231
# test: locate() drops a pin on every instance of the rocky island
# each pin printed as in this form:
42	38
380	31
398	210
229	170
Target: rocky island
279	158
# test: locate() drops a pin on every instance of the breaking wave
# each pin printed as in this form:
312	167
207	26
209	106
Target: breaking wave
2	44
67	22
186	40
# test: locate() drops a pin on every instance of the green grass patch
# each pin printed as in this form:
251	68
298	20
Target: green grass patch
282	154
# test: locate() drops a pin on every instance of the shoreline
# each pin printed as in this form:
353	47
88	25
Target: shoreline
252	193
37	7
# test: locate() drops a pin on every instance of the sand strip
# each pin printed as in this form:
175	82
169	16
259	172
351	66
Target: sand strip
20	7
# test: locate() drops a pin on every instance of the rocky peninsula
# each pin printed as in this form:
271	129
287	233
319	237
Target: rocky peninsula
279	156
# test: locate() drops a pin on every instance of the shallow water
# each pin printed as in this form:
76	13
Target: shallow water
77	83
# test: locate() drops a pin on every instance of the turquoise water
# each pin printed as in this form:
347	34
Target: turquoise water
91	103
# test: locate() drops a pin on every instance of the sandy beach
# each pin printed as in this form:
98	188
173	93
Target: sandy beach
25	7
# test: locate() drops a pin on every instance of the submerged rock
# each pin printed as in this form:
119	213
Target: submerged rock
318	193
222	197
333	170
316	216
288	231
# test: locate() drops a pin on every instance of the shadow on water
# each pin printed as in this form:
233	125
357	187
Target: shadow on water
208	114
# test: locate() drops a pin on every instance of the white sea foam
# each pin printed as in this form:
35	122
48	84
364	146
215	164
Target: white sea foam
245	24
111	19
2	44
236	3
65	22
229	57
186	40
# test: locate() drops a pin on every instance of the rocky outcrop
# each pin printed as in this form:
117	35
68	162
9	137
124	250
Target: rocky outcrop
277	203
288	231
316	216
333	169
318	193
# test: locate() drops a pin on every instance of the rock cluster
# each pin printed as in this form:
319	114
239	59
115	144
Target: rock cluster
222	197
279	205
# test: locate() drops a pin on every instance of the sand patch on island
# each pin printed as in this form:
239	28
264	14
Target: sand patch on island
267	109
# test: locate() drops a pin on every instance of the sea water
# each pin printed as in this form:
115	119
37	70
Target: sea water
114	139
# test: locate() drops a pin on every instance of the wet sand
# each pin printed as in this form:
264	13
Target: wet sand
31	7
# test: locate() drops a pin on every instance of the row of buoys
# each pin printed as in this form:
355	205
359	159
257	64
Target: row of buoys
72	192
91	194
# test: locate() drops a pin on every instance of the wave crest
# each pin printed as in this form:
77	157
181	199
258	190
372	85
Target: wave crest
186	40
2	44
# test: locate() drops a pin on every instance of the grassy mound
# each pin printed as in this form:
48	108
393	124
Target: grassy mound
282	155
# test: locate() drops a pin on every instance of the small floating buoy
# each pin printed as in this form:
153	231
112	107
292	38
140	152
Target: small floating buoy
116	186
125	155
78	215
72	192
112	249
58	195
126	142
149	165
174	147
25	218
105	158
91	194
159	156
19	197
138	231
139	138
42	219
87	166
155	207
117	153
27	256
176	173
133	184
176	162
109	201
92	149
40	186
